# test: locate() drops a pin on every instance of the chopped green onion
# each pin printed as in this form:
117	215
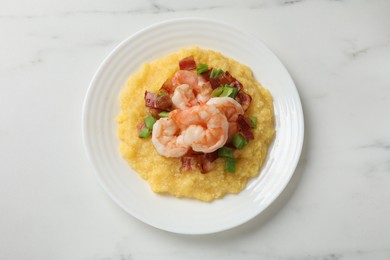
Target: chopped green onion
226	91
225	152
217	92
230	165
254	121
163	114
147	129
202	68
145	132
149	122
215	73
229	91
162	93
234	93
239	141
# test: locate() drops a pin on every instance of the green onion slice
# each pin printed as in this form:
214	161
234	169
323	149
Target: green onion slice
163	114
217	92
202	68
162	93
149	122
225	152
254	121
215	73
145	132
230	165
229	91
239	141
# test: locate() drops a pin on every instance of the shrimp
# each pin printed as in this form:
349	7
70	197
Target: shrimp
167	138
231	109
184	97
185	77
196	92
203	91
205	128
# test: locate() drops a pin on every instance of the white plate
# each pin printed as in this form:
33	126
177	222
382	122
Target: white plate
132	193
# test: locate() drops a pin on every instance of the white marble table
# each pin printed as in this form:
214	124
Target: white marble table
337	205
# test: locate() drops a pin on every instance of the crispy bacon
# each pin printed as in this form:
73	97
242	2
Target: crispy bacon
188	163
154	112
202	161
168	87
162	102
244	127
244	99
214	83
225	79
150	99
228	79
211	156
187	63
206	75
205	165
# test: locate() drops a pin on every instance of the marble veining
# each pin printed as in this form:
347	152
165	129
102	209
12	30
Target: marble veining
376	144
355	52
160	7
291	2
242	254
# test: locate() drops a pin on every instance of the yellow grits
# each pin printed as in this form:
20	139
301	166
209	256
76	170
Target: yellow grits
163	174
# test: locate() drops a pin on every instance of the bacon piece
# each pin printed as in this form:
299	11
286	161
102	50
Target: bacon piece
206	75
168	87
205	165
244	127
228	79
206	161
203	161
244	99
154	112
188	163
162	102
211	156
150	99
214	83
188	63
225	79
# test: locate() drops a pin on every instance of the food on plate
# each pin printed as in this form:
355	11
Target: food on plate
195	124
